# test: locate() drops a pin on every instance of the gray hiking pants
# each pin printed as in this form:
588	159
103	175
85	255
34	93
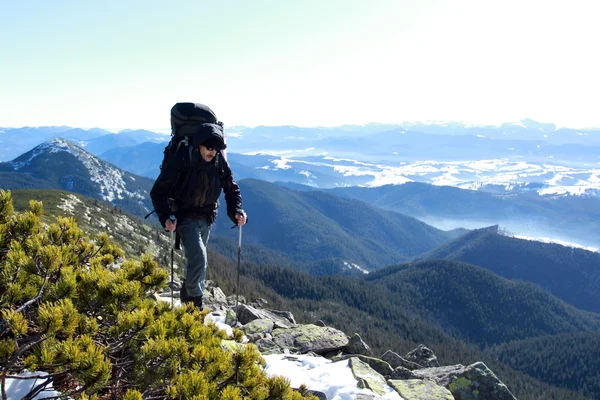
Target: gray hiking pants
194	236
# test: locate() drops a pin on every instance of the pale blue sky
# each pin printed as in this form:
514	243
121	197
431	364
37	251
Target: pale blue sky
123	64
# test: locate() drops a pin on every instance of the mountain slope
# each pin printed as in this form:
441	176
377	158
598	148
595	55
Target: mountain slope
568	273
545	358
311	226
480	306
383	318
63	165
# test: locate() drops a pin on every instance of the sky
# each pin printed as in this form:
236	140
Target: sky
123	64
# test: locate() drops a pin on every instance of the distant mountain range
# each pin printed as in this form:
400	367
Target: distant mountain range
527	156
571	219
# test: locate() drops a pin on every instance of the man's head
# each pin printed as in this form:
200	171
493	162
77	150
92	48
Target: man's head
208	149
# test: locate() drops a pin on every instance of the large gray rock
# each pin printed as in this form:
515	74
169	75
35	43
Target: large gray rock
367	377
214	298
423	356
378	365
258	326
472	382
248	313
402	373
320	395
395	360
285	314
420	389
267	346
370	396
358	346
305	338
233	298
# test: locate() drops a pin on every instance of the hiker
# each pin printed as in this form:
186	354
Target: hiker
188	188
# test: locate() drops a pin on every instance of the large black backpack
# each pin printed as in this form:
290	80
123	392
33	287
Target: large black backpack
185	120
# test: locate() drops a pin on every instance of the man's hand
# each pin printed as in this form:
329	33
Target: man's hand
241	218
171	225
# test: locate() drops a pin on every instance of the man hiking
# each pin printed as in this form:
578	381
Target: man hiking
185	198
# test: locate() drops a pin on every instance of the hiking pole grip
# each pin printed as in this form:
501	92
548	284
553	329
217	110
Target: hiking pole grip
172	219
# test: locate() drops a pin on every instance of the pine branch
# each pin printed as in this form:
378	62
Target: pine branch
27	304
117	345
3	384
57	375
36	298
36	390
15	357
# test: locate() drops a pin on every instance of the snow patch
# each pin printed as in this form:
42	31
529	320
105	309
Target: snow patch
69	203
556	241
349	265
335	379
19	388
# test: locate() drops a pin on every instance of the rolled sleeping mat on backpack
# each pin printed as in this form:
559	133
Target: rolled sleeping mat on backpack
185	118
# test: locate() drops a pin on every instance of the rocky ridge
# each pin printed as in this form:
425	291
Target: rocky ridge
416	375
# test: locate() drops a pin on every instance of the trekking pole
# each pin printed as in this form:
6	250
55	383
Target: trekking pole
172	218
237	289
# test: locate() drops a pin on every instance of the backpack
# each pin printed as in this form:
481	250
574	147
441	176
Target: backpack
185	119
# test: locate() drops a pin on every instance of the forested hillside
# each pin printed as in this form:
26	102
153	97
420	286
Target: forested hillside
396	308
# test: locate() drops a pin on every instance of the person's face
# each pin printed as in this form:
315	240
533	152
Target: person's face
207	153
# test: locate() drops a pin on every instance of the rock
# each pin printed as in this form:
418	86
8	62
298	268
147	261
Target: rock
210	284
402	373
423	356
262	325
305	338
475	381
396	361
367	377
218	294
420	389
378	365
319	395
248	313
254	337
230	317
267	346
233	346
285	314
231	300
357	346
176	286
363	396
214	298
259	303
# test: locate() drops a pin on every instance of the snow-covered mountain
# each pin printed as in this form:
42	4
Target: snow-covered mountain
61	164
491	175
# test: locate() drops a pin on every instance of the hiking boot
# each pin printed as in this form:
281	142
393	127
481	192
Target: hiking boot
183	292
196	300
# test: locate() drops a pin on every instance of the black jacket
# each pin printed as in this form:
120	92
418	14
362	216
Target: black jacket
189	187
